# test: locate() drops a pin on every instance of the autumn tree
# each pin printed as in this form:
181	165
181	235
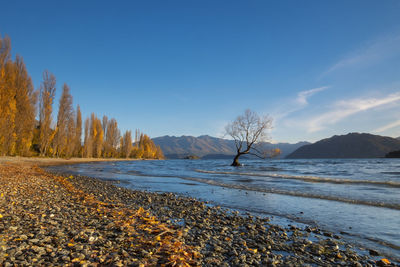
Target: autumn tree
88	143
126	144
78	133
97	135
19	132
150	150
145	148
71	136
112	139
249	131
17	104
26	99
8	105
65	125
159	153
47	92
104	124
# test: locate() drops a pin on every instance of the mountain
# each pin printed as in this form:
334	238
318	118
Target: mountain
352	145
209	147
182	146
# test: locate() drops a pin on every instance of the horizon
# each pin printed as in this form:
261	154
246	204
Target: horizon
304	141
188	68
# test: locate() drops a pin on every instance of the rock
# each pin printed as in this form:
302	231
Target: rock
373	252
383	262
328	234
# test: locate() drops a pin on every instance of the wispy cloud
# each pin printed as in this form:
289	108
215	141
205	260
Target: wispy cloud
346	108
300	102
373	52
302	97
387	127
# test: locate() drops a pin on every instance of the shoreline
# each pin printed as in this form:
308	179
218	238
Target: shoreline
219	237
45	161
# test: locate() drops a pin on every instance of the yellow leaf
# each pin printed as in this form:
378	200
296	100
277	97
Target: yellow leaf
1	216
2	195
385	261
71	245
140	210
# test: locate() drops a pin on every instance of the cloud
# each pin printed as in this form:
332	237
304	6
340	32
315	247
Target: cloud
378	50
346	108
303	96
300	102
387	126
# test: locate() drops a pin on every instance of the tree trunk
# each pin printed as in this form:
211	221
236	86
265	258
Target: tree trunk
236	160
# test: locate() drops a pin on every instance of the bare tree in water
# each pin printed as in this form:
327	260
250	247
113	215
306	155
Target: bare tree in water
249	131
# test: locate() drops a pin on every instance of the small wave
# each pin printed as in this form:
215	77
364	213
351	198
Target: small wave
274	169
294	193
391	173
314	179
276	191
245	180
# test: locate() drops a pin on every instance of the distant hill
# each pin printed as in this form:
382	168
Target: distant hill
352	145
177	147
209	147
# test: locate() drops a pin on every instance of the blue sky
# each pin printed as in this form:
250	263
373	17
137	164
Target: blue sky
319	68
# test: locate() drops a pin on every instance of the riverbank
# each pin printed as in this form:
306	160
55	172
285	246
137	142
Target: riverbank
61	219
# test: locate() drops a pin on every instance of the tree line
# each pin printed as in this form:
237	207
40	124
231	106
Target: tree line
23	133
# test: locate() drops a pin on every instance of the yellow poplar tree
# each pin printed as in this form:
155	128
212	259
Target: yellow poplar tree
96	133
88	143
113	136
8	105
47	92
78	133
26	99
126	144
65	125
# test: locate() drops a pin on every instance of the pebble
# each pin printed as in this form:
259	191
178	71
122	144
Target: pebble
48	225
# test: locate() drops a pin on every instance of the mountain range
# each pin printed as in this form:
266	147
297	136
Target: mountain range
352	145
206	146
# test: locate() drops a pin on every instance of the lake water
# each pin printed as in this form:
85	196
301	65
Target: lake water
358	197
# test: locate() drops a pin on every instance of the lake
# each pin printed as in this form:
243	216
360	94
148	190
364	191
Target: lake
359	198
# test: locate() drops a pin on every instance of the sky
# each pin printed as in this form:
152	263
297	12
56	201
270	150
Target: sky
318	68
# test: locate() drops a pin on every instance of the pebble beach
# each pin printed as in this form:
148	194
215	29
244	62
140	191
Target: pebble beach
47	219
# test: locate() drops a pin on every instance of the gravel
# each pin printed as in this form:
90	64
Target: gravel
49	219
